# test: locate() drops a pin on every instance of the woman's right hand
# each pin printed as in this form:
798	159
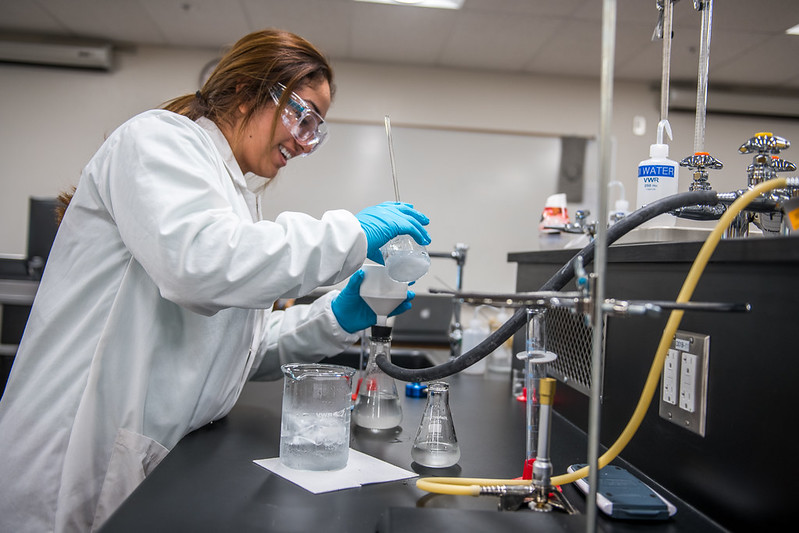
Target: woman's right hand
383	222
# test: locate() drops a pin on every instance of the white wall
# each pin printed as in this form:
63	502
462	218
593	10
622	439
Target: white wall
54	119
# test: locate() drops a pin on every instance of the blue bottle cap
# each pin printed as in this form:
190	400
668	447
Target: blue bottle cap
415	390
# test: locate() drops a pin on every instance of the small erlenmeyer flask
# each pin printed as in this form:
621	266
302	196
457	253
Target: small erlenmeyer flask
378	404
436	445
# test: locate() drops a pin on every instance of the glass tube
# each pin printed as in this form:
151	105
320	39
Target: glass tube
536	368
701	86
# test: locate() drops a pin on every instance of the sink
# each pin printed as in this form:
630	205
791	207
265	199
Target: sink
405	358
664	234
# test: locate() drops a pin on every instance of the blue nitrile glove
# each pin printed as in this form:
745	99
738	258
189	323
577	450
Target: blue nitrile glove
353	313
383	222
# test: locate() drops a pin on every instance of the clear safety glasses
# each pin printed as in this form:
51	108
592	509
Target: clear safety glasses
305	124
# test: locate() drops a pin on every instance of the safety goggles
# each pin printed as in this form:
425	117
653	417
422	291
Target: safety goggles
304	124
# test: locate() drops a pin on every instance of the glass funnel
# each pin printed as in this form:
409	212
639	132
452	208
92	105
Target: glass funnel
436	445
378	404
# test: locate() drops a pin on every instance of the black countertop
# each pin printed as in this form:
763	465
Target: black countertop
777	249
210	483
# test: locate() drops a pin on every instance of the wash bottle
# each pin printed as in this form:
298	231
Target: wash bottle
657	177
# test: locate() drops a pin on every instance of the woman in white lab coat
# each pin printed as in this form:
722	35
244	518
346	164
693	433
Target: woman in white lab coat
154	308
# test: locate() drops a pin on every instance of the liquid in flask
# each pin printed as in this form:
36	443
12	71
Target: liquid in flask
378	403
436	445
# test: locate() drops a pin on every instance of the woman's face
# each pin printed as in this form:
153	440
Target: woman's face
257	151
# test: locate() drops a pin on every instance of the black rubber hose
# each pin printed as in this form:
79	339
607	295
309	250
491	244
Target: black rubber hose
555	283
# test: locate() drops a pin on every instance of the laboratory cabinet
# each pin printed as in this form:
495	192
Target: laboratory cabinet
740	472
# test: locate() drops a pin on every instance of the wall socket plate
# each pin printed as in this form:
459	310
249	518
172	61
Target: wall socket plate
683	384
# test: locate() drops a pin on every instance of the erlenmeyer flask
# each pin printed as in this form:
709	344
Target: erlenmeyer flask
378	404
436	445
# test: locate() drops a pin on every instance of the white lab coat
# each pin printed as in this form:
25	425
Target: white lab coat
152	313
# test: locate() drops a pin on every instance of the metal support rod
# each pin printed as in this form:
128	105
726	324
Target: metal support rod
600	262
456	327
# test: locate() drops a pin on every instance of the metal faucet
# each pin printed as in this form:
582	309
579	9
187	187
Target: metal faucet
700	163
581	225
768	215
455	327
766	212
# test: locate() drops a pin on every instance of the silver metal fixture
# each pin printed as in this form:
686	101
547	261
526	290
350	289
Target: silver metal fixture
765	164
455	327
700	163
581	225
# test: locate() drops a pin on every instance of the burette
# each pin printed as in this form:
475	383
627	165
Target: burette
706	6
664	31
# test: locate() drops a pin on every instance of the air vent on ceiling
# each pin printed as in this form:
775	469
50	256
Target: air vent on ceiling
92	56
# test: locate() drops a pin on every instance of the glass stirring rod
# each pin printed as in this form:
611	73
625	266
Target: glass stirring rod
391	156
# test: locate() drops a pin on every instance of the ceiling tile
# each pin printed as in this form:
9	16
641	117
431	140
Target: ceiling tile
413	36
326	23
557	37
507	42
549	8
200	23
27	16
758	64
115	20
570	55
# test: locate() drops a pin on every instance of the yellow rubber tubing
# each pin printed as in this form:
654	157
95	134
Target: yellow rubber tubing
471	486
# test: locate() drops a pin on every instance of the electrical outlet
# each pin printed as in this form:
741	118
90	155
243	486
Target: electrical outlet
683	392
670	382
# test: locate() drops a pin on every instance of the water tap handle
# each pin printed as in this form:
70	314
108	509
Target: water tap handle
701	161
782	165
765	142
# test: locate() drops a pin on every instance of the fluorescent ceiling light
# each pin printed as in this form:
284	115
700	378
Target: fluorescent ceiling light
440	4
793	31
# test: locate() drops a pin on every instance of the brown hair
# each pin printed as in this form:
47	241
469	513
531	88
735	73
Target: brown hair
245	75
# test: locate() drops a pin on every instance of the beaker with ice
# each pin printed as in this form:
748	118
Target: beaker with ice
315	419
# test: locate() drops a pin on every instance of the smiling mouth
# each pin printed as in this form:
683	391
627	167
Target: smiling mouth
285	152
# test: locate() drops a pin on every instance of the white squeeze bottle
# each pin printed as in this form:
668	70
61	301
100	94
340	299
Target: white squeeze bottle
657	177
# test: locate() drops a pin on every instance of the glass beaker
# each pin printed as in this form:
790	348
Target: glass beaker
378	404
436	445
405	259
315	420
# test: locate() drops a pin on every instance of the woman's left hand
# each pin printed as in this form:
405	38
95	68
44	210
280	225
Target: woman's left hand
353	313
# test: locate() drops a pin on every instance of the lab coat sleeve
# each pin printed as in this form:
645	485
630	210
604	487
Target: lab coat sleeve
300	334
180	215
